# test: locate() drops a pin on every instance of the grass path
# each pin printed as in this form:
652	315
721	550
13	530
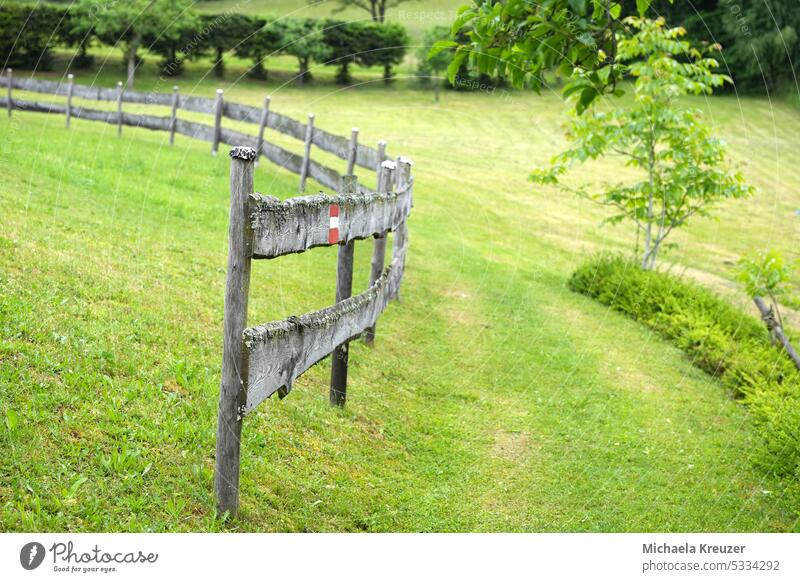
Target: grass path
494	400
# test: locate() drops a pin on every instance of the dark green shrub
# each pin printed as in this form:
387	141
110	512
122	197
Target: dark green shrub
259	46
384	45
220	33
366	44
719	338
28	33
344	41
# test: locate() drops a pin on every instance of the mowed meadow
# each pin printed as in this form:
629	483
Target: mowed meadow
494	399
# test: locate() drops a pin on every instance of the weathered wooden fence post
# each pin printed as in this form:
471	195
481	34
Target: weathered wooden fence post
232	393
307	152
217	122
385	181
9	74
173	120
119	107
403	179
70	90
262	125
352	152
381	156
344	289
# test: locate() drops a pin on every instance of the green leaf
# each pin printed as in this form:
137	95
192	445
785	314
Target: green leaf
455	64
587	96
439	46
12	420
578	6
73	490
642	6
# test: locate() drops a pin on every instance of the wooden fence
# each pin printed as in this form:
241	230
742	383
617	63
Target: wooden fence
348	149
260	361
263	360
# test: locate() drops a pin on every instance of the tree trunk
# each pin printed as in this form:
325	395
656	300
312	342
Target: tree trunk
648	232
343	76
132	48
436	83
775	329
304	75
219	65
387	74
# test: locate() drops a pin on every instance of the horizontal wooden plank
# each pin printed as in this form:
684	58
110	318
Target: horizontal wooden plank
276	121
87	92
37	106
300	223
339	146
324	175
197	104
367	157
135	120
277	353
328	142
194	130
241	112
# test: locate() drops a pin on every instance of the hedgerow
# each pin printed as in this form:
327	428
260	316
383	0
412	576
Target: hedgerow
720	339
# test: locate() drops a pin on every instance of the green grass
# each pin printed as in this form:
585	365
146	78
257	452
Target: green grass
495	399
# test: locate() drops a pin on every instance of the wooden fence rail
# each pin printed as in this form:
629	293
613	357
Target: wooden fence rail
266	359
355	154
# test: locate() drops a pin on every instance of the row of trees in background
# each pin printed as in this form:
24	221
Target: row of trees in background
171	29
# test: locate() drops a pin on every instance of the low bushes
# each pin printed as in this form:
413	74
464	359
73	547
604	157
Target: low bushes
720	339
28	34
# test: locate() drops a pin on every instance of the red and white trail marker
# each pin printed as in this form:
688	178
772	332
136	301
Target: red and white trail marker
333	230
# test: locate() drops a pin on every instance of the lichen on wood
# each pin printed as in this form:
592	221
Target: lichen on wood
301	223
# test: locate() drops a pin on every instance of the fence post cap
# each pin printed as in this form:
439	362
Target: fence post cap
268	98
175	88
311	116
389	164
405	160
219	91
243	153
70	76
354	130
119	83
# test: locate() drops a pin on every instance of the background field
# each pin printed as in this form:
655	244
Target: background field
495	399
417	16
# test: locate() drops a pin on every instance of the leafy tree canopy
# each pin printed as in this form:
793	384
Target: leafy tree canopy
304	39
522	40
682	165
